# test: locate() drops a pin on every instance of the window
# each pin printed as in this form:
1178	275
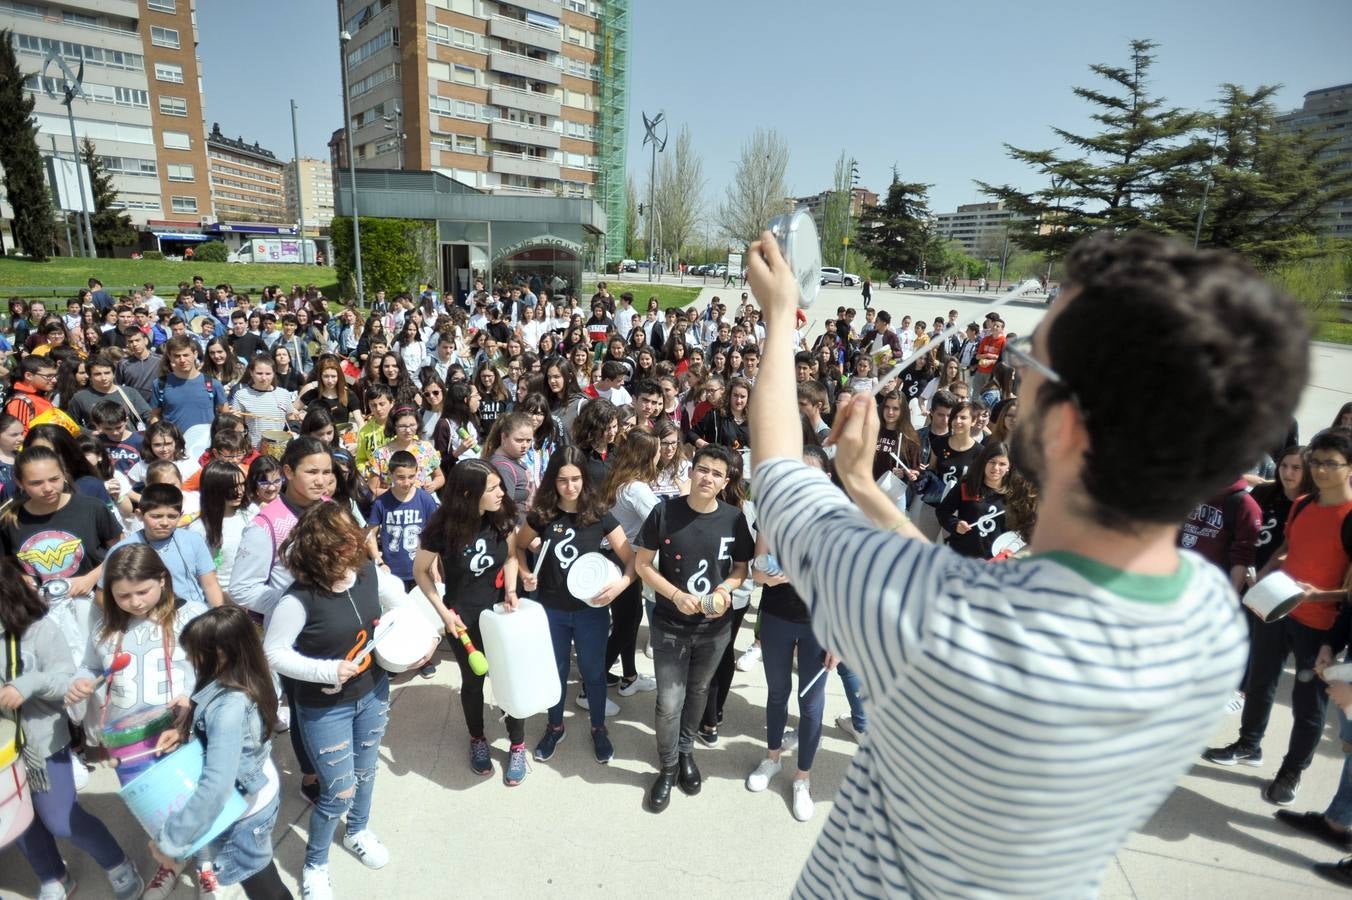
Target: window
177	140
90	55
460	109
164	37
169	72
180	172
388	37
463	39
173	106
374	80
168	6
131	97
126	165
183	204
465	143
74	18
578	6
574	35
438	34
464	75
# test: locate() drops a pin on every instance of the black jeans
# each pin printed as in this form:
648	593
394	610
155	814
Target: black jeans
307	767
684	663
1272	642
722	685
626	614
472	686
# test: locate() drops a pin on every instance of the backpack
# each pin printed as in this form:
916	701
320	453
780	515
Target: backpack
1346	530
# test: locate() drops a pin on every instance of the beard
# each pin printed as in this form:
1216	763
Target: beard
1025	448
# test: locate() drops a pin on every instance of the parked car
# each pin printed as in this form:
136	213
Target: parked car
719	270
911	282
628	265
833	275
700	269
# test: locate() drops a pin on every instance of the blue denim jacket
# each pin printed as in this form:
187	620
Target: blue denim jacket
236	751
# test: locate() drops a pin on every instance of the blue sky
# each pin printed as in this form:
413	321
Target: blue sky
934	88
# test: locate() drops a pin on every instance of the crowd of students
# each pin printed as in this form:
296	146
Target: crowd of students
212	486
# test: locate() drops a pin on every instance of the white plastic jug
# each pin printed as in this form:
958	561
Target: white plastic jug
520	655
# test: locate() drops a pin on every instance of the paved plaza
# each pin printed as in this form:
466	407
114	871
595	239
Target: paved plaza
576	829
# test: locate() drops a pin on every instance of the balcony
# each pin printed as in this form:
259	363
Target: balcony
529	101
524	67
548	7
525	33
516	133
520	164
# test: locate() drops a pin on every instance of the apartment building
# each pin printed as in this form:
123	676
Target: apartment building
979	227
860	198
142	97
316	193
527	97
246	180
1327	113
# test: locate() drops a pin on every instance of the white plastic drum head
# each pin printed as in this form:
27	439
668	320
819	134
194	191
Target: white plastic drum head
797	237
589	574
1274	597
1009	541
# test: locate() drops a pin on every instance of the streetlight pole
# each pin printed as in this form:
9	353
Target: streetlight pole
849	201
1206	188
1057	182
344	37
395	123
300	194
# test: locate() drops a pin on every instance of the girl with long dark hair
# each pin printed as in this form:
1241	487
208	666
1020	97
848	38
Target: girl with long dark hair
974	512
223	517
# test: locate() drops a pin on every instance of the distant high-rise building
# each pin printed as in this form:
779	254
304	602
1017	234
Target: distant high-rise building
859	199
316	192
977	226
528	97
142	103
246	180
1327	113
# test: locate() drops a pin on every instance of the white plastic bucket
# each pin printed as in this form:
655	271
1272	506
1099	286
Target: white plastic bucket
16	802
520	656
893	487
589	574
1274	597
405	638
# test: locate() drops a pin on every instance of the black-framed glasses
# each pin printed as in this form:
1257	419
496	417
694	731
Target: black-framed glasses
1019	354
1326	465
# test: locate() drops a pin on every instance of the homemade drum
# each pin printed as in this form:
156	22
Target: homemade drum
589	574
16	803
164	789
1274	597
132	738
274	443
520	654
403	637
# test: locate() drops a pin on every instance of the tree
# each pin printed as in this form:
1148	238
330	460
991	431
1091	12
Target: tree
680	194
112	227
25	185
836	212
1265	188
758	188
1119	172
896	235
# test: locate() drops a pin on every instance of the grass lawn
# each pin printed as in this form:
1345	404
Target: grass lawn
666	294
60	277
1334	331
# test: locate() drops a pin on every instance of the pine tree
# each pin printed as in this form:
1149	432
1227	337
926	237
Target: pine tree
896	235
1264	188
25	184
112	227
1118	174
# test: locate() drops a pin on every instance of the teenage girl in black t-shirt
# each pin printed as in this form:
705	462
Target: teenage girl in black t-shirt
1274	503
973	513
471	534
952	457
569	519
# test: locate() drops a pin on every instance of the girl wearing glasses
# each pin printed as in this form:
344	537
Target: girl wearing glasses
403	432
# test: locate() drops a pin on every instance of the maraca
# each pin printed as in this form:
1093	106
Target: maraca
120	662
478	663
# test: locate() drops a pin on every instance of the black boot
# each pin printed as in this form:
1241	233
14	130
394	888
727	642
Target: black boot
689	780
659	795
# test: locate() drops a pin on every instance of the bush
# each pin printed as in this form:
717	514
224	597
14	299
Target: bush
152	254
211	251
396	254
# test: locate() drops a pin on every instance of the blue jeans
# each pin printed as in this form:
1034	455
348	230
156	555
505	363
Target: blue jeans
849	679
347	778
778	638
245	849
1340	807
587	629
60	815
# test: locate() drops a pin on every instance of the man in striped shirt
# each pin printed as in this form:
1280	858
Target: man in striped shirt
1025	717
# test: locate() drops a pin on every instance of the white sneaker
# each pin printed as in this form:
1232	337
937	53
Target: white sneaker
283	719
803	807
789	742
57	890
846	724
759	780
648	651
612	708
747	661
1235	703
78	772
314	883
161	885
367	848
125	881
640	685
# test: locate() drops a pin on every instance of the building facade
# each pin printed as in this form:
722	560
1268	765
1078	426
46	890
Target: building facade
142	103
316	193
246	180
980	227
859	199
1327	113
525	98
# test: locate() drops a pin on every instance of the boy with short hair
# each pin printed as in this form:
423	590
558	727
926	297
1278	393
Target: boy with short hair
184	552
812	403
123	445
371	437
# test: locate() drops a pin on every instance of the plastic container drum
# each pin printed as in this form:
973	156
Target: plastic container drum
893	487
403	638
164	789
520	655
1340	672
16	803
274	443
1274	597
589	574
132	738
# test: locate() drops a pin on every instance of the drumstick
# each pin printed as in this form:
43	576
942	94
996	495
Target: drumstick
540	560
904	467
895	372
120	662
815	678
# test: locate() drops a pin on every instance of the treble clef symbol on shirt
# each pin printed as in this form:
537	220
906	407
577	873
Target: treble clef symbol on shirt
564	551
698	584
481	561
986	524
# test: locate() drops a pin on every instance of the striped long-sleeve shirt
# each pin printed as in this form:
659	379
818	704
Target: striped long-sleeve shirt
1024	718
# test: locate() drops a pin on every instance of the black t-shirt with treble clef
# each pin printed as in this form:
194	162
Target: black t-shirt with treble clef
567	540
695	551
